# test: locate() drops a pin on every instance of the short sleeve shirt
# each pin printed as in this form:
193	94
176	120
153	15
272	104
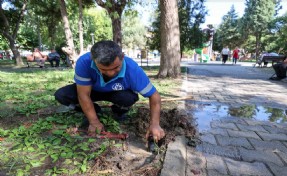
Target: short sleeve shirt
131	77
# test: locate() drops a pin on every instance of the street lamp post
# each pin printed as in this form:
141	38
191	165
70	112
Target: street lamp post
93	39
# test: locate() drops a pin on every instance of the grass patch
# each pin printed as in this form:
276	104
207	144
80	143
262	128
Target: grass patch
44	143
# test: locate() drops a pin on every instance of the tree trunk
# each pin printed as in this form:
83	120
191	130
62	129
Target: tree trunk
39	35
70	49
115	7
11	36
117	34
80	26
170	40
258	37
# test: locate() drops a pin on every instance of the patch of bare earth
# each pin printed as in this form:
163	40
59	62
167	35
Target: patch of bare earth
133	157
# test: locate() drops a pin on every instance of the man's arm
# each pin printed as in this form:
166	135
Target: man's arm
89	110
154	128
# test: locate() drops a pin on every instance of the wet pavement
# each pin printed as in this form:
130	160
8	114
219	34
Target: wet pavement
240	117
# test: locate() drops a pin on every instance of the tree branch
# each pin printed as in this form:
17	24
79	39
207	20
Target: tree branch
4	18
21	15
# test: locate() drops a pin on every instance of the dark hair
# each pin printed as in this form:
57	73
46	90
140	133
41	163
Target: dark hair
105	52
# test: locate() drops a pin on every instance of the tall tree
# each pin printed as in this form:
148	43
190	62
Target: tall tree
115	9
258	14
134	32
228	33
191	15
170	40
80	26
82	4
70	49
46	15
10	20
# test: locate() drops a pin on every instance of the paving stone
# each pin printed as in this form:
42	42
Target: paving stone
260	156
268	145
246	168
275	130
249	134
215	131
281	125
175	159
272	137
251	128
225	151
277	170
215	163
214	173
254	122
209	138
218	124
233	141
196	163
282	155
233	120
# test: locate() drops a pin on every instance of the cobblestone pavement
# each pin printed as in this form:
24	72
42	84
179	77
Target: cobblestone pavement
231	145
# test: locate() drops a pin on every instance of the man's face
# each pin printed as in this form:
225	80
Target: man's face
111	70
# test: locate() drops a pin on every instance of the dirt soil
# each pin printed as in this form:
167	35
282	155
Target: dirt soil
132	158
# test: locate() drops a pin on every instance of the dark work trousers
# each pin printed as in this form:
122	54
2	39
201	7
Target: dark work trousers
280	70
224	58
56	59
121	100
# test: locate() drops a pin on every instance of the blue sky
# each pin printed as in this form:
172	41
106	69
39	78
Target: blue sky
218	8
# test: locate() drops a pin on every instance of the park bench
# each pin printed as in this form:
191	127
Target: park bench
272	59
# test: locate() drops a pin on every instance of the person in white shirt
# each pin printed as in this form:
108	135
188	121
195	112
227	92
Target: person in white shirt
225	53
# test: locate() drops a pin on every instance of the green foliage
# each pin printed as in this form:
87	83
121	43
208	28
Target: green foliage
98	22
134	32
191	15
48	139
228	32
258	14
276	39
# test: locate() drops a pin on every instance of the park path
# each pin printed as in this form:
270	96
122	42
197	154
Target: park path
230	145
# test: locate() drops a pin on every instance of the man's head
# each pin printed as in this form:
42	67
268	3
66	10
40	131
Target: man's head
108	57
36	49
106	52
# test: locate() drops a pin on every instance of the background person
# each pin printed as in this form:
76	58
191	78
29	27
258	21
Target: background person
280	70
54	56
105	74
225	53
235	55
39	57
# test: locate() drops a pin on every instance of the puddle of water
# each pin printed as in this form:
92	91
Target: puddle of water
205	113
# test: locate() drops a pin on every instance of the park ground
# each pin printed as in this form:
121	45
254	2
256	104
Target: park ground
211	116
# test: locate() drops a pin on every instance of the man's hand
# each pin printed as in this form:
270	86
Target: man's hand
95	129
156	131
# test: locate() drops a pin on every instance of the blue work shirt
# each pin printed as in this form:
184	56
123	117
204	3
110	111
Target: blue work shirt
131	77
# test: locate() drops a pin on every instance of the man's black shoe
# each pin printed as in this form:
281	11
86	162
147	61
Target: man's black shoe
120	117
85	122
96	106
275	78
